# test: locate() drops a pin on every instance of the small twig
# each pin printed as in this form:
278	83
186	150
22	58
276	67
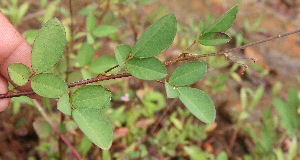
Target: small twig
55	128
189	47
111	68
98	79
191	57
70	85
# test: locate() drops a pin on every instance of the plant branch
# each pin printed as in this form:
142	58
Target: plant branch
186	56
55	128
70	85
191	57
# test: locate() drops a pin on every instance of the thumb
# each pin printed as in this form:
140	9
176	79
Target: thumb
3	89
13	49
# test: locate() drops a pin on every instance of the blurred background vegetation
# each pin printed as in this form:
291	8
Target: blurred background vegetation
258	112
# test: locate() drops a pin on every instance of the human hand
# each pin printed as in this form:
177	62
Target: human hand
13	49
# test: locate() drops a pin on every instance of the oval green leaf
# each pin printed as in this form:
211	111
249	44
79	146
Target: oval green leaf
157	38
214	38
199	103
49	46
48	85
91	96
224	22
121	53
102	64
19	73
171	91
85	54
64	105
90	22
95	126
104	31
188	73
146	68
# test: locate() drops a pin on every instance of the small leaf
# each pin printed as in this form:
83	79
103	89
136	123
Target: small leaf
199	103
42	128
64	105
30	35
19	73
290	122
213	39
85	54
90	22
91	96
146	68
200	28
95	126
89	38
104	31
188	73
49	46
102	64
222	156
224	22
48	85
157	38
171	91
121	53
293	99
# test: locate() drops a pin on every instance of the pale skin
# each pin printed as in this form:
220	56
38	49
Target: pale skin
13	49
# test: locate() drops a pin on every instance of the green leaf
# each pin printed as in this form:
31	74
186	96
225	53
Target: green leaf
48	85
199	103
84	146
30	35
224	22
293	99
49	46
157	38
171	91
121	53
214	38
188	73
104	31
288	116
64	105
293	150
89	38
19	73
85	54
90	22
222	156
91	96
95	126
102	64
146	68
42	128
22	11
200	28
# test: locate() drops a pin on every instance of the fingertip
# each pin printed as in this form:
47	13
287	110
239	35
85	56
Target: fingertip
3	89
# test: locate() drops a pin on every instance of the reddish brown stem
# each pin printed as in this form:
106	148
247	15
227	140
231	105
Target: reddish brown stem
191	57
73	84
182	58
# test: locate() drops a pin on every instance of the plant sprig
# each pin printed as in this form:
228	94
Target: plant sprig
189	57
86	104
